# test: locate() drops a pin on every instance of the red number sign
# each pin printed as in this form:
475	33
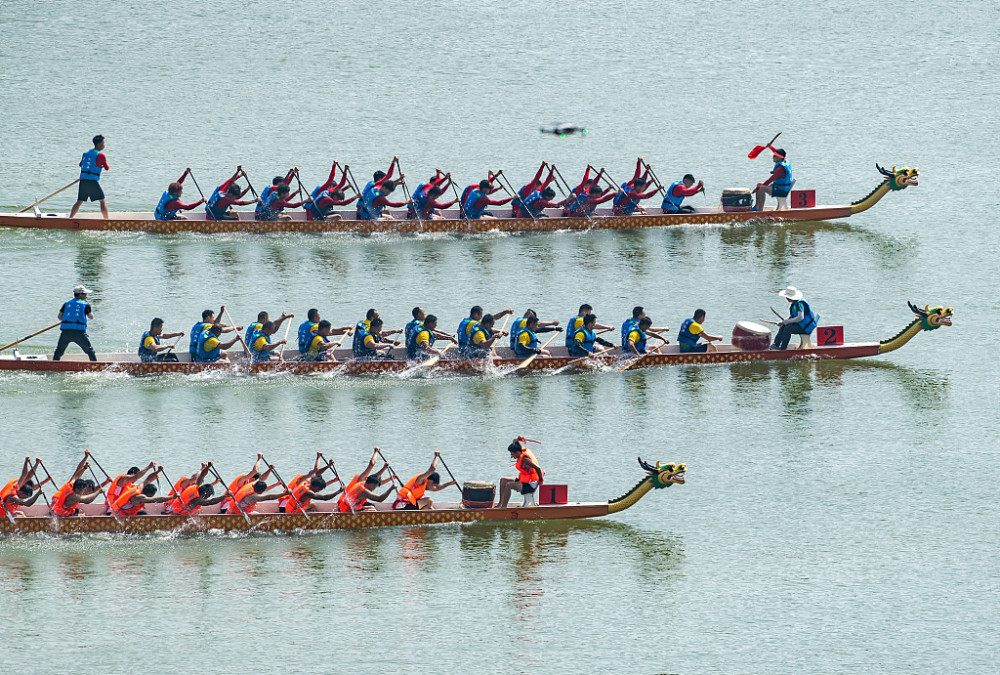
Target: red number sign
830	336
803	199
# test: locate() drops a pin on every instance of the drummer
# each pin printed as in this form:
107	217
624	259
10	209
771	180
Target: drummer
691	333
801	319
411	497
529	472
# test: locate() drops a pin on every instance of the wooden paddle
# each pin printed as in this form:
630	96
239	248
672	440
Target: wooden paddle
343	485
284	485
589	356
28	208
760	148
493	348
427	363
526	362
239	335
211	467
48	477
569	191
449	472
197	187
641	357
101	487
37	332
281	354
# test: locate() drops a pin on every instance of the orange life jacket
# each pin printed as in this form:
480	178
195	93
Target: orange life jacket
287	502
182	505
59	501
351	496
229	506
526	474
115	489
168	507
8	490
122	507
412	492
296	503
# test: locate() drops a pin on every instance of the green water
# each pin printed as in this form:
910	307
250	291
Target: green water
838	517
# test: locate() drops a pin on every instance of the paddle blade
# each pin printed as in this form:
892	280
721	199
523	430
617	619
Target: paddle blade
756	151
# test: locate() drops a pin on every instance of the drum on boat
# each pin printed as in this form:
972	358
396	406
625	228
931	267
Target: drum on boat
737	199
477	494
751	336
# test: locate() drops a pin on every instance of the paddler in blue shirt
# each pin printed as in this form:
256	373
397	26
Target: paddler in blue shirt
210	348
149	343
691	332
779	184
801	318
170	203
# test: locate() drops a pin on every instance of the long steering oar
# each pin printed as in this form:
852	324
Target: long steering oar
26	337
284	485
526	362
760	148
66	187
211	467
243	342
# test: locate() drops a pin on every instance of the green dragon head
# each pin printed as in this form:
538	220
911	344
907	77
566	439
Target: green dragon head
899	179
932	317
664	475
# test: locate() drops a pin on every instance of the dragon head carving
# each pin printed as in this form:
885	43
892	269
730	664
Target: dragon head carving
664	475
899	179
932	317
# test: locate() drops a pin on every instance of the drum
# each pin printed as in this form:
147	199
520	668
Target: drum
751	337
477	494
737	199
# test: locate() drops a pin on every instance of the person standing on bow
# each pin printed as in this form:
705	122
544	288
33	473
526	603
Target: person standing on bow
222	199
779	184
91	164
529	472
678	190
170	202
691	332
411	496
74	315
149	343
801	318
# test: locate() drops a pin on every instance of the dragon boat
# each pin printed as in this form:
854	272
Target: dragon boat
453	222
504	360
37	518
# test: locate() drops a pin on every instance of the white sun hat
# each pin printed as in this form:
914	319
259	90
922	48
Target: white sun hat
80	289
791	293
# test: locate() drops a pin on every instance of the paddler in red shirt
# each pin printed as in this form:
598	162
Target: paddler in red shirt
328	195
170	202
583	206
779	183
91	165
536	184
277	202
424	196
676	193
225	196
475	199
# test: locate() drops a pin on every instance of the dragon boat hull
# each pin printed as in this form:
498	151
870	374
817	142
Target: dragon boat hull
504	360
38	519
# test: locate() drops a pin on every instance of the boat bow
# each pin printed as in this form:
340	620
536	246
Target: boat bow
658	477
928	318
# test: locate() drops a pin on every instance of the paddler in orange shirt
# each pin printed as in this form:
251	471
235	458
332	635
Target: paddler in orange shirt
304	488
77	490
132	498
190	494
123	480
529	472
21	491
251	494
411	495
359	490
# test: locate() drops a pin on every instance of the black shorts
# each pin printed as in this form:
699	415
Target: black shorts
527	488
90	190
409	507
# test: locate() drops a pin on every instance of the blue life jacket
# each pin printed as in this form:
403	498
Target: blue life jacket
465	333
474	350
264	194
470	202
685	336
201	355
147	355
514	328
161	212
306	329
520	349
259	355
360	330
308	354
196	331
313	206
212	205
575	207
88	165
808	323
588	338
412	348
626	200
627	327
74	315
410	331
670	202
461	200
361	350
783	184
366	205
571	330
528	204
419	196
267	210
251	329
640	344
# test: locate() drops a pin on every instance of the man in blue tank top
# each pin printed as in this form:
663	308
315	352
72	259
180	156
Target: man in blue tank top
779	184
74	315
91	164
801	318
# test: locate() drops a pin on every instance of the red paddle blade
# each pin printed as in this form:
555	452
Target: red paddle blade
756	151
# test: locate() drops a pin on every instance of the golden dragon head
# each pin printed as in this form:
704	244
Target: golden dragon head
899	179
932	317
664	475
